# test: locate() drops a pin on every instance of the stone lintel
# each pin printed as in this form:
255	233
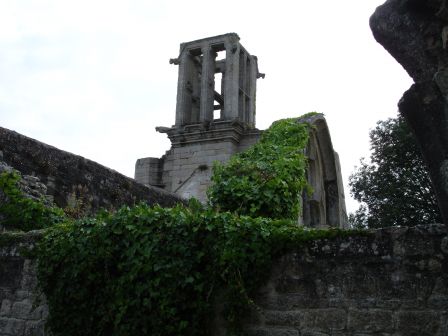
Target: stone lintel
209	41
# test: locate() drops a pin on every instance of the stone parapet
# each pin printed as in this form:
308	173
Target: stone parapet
391	281
71	179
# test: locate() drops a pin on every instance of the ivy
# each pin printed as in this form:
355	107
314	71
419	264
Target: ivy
158	271
20	212
268	179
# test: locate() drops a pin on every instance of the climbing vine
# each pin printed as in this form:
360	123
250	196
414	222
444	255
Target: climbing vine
158	271
268	179
23	213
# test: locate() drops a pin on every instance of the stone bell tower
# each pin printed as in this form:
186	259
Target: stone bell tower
215	115
199	93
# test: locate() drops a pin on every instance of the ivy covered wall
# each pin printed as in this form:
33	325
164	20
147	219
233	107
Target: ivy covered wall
149	270
389	282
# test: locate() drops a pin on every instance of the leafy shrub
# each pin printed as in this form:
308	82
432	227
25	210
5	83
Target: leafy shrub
268	179
23	213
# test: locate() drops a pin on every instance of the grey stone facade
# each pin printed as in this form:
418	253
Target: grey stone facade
186	168
201	136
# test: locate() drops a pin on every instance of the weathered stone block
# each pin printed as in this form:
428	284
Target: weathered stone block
21	310
419	323
295	300
284	318
414	245
439	295
307	332
22	294
325	320
29	270
11	326
372	320
39	312
34	328
11	271
5	308
272	332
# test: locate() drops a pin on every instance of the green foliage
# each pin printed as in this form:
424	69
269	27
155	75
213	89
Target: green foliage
156	271
23	213
394	187
268	179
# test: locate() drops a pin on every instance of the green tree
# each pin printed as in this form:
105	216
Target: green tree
394	188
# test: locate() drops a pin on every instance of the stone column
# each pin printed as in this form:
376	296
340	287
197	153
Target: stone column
182	95
231	91
243	87
223	83
252	91
207	84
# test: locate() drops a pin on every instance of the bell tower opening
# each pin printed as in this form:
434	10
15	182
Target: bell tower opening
217	82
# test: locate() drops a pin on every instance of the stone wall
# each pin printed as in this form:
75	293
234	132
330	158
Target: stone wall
22	309
393	281
72	180
186	168
389	282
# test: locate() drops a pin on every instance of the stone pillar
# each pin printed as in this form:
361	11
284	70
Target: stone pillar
207	84
182	95
231	90
252	90
223	83
242	86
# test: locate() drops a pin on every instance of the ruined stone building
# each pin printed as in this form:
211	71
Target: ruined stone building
215	118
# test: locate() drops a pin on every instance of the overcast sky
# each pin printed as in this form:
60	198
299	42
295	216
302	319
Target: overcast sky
93	78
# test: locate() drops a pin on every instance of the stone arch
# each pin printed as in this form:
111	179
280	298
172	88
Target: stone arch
325	207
